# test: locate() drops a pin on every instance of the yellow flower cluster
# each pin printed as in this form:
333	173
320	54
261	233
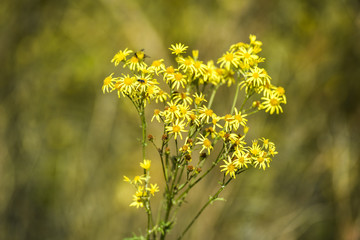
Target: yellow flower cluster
144	189
187	92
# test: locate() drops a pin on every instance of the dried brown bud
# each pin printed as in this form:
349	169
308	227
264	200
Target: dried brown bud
190	168
164	137
150	137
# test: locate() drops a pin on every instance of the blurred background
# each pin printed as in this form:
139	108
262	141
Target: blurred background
64	146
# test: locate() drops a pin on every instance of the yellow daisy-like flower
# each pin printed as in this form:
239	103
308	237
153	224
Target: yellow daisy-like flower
215	120
135	63
153	189
109	83
272	103
229	167
121	56
199	98
229	122
183	97
145	164
177	79
205	114
178	48
137	202
176	128
256	77
161	96
157	116
247	56
139	179
242	159
205	142
228	60
186	64
239	119
262	161
126	85
157	66
171	112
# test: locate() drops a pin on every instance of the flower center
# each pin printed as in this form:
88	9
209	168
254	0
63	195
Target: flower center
178	76
247	55
207	143
128	81
176	128
107	80
208	112
134	60
229	57
255	75
274	102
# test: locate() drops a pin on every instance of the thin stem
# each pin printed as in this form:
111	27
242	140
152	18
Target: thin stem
235	98
211	199
212	96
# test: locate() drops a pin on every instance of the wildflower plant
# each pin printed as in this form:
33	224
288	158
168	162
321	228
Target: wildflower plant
191	128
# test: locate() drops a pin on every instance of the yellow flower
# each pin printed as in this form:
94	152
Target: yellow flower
108	83
242	158
272	103
205	114
153	189
206	143
239	119
228	60
247	56
199	98
176	128
177	79
126	85
262	161
126	179
121	56
145	164
157	113
229	167
139	179
157	66
257	77
178	48
137	202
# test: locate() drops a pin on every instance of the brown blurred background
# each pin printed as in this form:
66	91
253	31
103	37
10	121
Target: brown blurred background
64	146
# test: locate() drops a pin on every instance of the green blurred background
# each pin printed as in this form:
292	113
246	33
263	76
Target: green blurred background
64	146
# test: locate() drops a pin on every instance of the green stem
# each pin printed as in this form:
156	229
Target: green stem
211	199
212	96
235	98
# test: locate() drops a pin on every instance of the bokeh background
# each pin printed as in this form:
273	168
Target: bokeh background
64	146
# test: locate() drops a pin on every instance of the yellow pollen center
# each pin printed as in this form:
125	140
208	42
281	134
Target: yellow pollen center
107	80
173	108
178	76
247	55
208	112
187	62
274	102
207	143
176	128
255	75
134	60
156	63
228	118
128	81
238	117
229	57
280	90
260	159
170	70
197	64
241	159
231	167
156	111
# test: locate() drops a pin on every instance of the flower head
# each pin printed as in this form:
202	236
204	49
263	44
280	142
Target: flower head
178	48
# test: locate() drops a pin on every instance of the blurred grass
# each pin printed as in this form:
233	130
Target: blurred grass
64	146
